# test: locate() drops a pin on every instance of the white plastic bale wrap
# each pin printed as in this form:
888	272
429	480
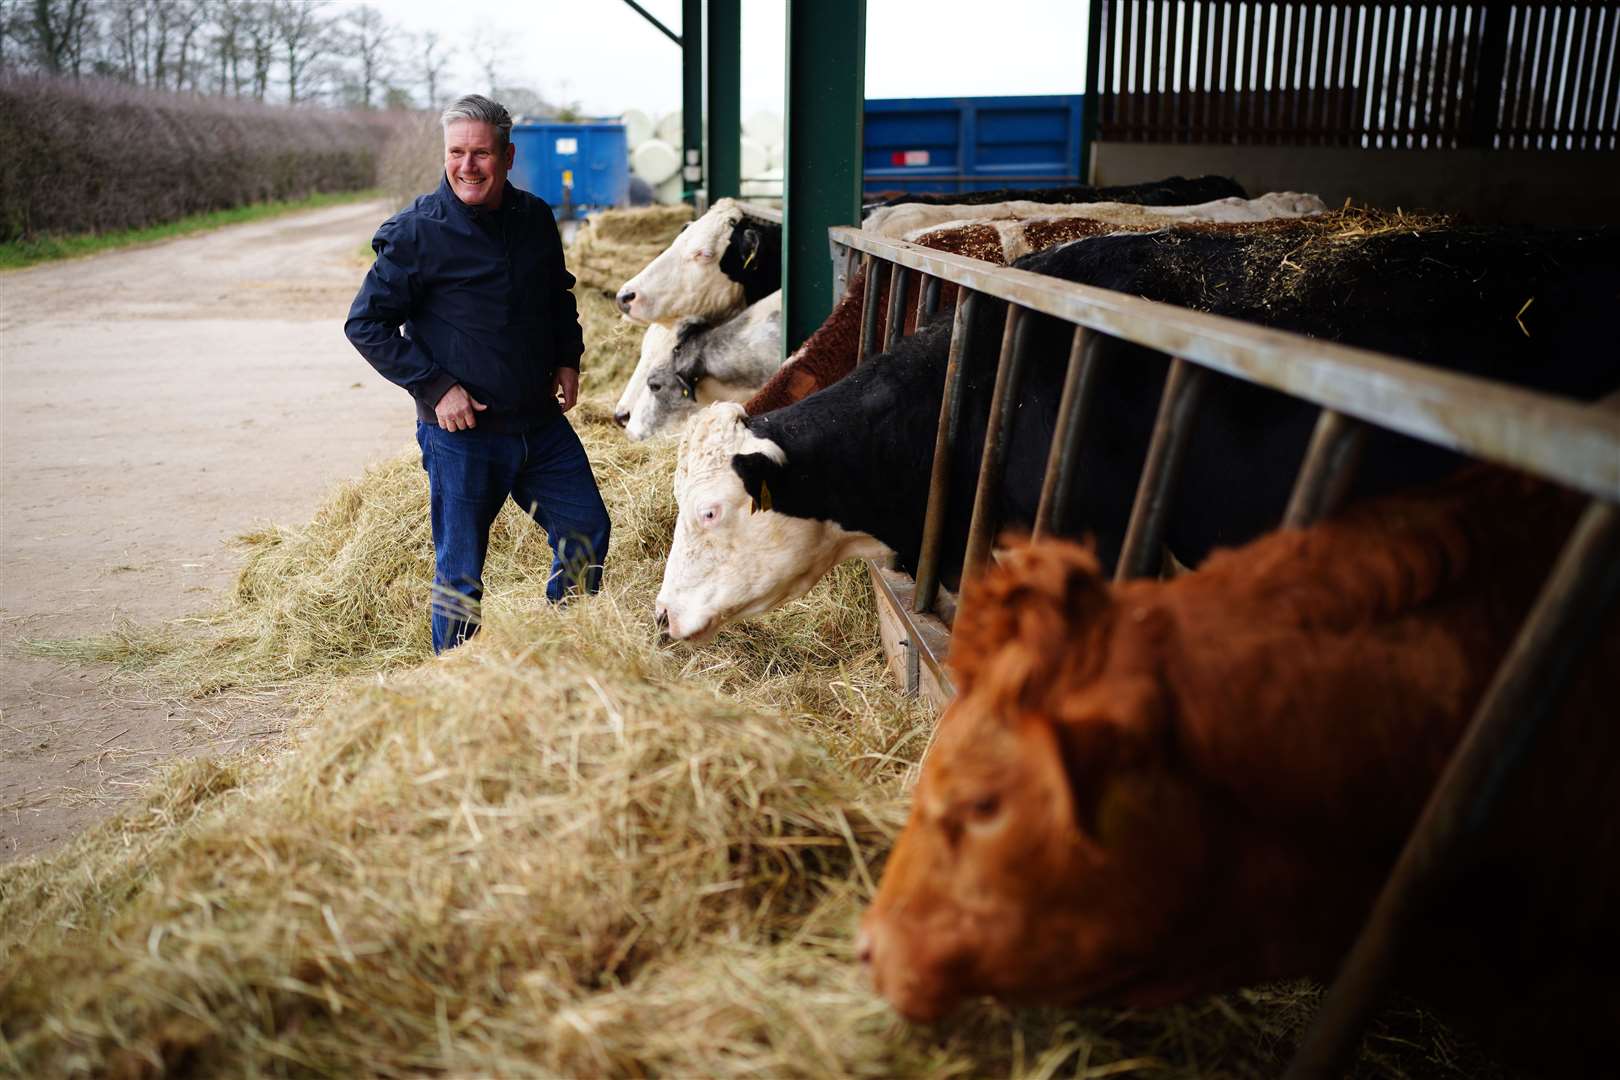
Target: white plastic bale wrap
655	161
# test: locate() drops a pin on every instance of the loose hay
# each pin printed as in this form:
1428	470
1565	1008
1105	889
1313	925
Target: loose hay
558	850
612	246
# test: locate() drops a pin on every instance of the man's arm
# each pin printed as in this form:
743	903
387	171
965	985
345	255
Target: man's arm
387	297
568	340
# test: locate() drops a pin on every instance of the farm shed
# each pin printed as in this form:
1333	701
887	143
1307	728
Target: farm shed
1495	112
1499	111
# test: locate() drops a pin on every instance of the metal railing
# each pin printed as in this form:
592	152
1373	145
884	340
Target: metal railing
1574	444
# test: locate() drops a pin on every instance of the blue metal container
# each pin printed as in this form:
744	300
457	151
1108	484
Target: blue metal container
574	167
972	143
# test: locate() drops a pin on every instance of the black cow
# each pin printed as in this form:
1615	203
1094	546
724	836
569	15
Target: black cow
857	454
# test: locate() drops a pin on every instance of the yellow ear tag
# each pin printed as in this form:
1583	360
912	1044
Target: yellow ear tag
748	260
763	502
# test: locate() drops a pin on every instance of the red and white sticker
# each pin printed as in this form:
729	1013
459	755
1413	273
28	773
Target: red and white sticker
908	157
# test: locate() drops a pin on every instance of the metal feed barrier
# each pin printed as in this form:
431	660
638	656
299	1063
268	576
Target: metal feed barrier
1574	444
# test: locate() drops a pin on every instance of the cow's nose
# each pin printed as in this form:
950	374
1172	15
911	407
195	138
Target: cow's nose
622	417
662	619
624	299
863	947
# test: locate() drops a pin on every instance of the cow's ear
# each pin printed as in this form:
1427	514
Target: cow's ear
749	249
1103	750
757	472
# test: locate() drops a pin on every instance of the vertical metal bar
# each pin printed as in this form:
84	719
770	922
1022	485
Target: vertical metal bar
963	324
913	668
997	436
877	278
1141	553
899	279
1092	88
1329	466
821	151
1567	617
1079	386
928	300
692	96
724	56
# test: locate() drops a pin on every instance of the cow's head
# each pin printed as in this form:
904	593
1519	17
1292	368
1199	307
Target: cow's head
670	396
733	555
655	346
1052	846
687	279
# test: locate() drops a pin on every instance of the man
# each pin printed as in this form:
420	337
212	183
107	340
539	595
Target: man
474	273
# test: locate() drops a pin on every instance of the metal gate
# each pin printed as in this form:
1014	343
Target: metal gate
1574	444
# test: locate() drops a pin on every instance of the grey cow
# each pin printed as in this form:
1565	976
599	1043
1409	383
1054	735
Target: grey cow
706	363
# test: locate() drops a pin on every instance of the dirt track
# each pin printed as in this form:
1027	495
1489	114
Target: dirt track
155	403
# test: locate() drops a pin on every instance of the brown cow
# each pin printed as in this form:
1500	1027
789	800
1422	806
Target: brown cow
1156	789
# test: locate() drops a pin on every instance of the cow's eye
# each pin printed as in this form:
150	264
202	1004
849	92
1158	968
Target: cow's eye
702	255
984	809
709	514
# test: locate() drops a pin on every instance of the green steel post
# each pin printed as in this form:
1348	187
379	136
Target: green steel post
1090	103
691	96
821	156
725	98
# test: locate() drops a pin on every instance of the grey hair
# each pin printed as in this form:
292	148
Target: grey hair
477	107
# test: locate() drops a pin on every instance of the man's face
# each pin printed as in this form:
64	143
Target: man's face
476	162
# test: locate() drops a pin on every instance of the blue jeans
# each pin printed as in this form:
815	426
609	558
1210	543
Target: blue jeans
470	474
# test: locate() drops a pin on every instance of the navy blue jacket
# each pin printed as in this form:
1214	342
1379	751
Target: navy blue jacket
484	299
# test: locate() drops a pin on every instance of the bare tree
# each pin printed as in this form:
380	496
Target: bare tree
11	33
189	18
56	29
432	57
489	49
371	42
304	33
258	23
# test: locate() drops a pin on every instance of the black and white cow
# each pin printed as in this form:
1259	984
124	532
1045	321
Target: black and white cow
769	503
705	363
718	265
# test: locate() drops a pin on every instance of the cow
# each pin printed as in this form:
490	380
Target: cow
848	467
1156	789
910	219
655	346
1172	191
707	362
719	264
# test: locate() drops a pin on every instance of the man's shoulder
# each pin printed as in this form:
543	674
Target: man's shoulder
425	210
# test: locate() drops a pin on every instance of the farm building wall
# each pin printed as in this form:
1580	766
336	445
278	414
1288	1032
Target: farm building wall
1495	186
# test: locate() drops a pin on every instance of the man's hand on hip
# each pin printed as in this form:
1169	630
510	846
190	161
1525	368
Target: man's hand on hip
457	410
565	386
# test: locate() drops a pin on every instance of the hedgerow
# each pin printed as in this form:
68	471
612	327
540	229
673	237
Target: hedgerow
92	156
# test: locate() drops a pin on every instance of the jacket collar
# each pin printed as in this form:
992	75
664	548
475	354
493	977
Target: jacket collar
510	200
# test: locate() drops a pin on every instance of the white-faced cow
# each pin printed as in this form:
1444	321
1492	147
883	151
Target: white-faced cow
655	346
705	363
719	264
849	465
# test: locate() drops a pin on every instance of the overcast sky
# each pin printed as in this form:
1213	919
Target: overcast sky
608	58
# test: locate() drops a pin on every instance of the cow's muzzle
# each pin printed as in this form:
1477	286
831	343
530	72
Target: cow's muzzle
625	299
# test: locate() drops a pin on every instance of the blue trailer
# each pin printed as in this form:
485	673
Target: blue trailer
971	143
574	167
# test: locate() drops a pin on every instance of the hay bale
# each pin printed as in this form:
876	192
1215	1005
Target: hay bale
612	246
